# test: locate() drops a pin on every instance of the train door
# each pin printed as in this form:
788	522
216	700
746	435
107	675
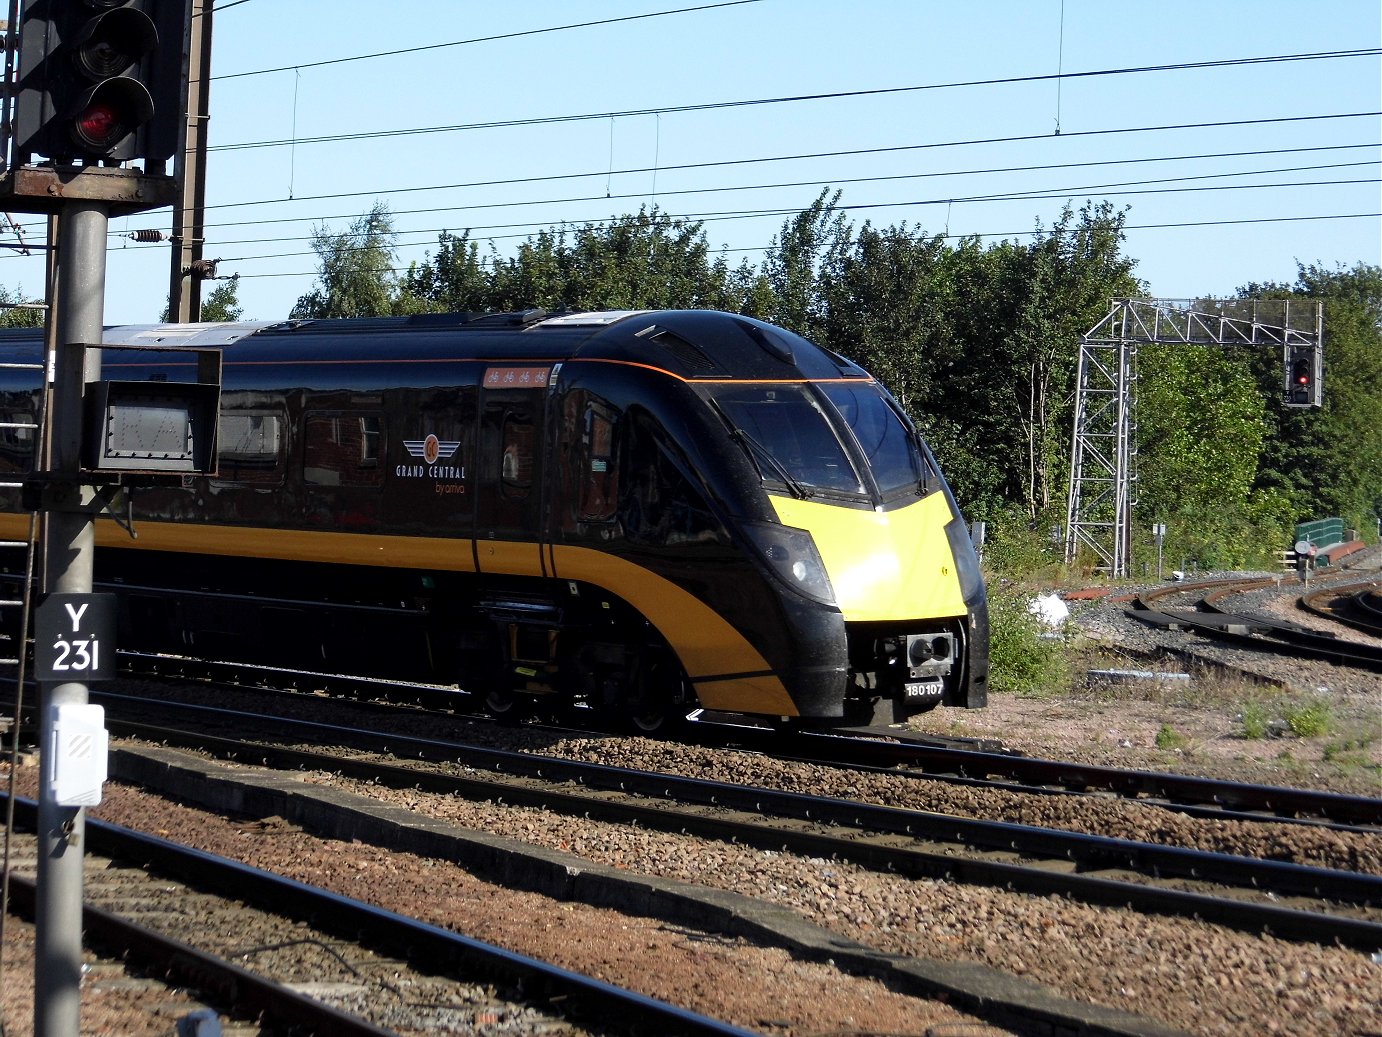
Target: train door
509	513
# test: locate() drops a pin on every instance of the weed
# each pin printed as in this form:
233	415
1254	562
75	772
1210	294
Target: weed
1167	737
1256	720
1310	719
1021	661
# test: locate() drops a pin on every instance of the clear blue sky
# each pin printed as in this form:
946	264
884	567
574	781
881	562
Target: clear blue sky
907	162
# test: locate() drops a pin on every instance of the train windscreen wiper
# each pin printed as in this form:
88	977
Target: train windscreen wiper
753	446
757	450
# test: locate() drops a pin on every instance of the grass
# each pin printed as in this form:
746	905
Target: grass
1256	719
1309	719
1167	737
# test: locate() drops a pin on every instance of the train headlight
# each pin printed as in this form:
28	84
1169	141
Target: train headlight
791	554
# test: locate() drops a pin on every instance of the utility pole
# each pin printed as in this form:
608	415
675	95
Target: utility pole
189	212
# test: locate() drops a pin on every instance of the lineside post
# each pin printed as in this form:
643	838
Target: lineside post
70	551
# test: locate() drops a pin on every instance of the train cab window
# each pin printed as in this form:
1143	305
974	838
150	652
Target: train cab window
661	502
788	436
888	445
250	448
341	450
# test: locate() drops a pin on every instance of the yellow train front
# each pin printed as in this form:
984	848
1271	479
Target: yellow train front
640	513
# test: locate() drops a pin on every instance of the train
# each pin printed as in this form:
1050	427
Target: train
638	513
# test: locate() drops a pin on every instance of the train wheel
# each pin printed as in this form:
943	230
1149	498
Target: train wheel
506	705
658	706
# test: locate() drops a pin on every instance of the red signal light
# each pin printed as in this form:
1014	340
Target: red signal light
98	126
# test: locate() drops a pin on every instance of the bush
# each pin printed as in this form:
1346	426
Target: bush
1019	660
1309	720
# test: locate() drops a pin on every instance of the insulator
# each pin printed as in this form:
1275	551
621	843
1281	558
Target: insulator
147	235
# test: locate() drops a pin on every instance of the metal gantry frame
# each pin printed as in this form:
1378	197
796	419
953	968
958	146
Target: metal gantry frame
1104	445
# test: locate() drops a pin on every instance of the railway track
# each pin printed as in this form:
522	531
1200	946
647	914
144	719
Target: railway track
974	762
1249	631
1289	900
1205	798
308	960
1358	606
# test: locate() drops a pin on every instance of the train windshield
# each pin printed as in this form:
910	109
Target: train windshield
888	445
790	438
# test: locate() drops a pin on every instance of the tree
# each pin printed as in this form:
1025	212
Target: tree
1329	461
19	312
810	242
221	305
355	276
452	281
1203	424
643	260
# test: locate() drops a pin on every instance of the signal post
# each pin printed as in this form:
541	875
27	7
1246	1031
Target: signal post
98	85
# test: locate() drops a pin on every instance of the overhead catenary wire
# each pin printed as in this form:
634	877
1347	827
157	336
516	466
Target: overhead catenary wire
759	160
479	39
1035	193
526	229
550	120
1102	190
804	156
978	235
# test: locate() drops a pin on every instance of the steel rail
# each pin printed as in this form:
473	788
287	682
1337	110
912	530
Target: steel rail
1358	610
1278	637
1066	858
1231	800
614	1007
908	754
983	762
246	993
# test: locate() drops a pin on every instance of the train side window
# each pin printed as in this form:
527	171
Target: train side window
17	432
516	460
250	448
600	482
341	450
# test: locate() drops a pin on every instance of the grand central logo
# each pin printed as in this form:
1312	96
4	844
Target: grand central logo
432	452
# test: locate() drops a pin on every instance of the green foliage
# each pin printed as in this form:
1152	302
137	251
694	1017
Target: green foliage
646	260
13	315
1309	719
1256	720
354	269
1167	737
1018	546
223	301
1328	461
1020	661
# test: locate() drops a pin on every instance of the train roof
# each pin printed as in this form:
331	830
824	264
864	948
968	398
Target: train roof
692	344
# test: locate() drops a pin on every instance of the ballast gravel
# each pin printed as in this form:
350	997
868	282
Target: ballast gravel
1197	977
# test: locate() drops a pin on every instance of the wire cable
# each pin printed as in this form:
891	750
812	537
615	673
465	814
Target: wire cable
979	235
849	153
550	120
478	39
1106	190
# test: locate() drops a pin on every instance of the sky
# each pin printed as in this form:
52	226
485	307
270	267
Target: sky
560	112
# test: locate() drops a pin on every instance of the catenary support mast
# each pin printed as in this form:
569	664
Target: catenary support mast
1103	455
